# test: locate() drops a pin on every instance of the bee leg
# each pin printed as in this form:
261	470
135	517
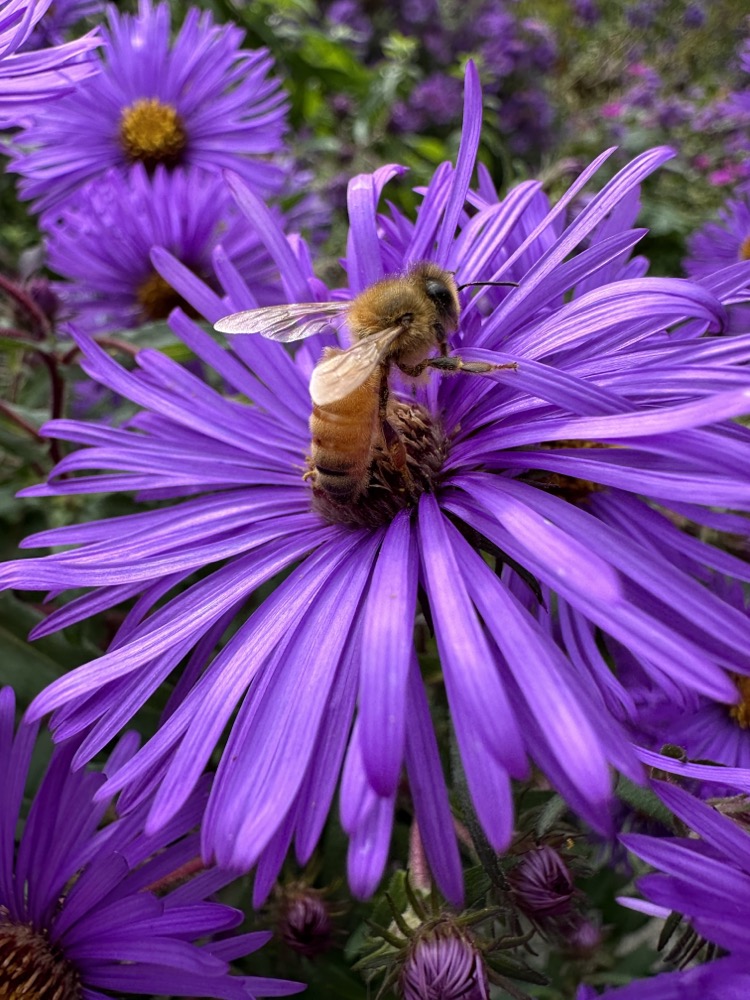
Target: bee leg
391	438
451	364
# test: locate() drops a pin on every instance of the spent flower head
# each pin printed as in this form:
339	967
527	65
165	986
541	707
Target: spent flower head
515	530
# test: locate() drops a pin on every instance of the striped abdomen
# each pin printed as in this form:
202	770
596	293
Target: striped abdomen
343	434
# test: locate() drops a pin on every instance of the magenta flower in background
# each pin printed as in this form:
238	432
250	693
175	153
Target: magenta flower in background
719	244
101	240
86	910
29	79
197	100
608	403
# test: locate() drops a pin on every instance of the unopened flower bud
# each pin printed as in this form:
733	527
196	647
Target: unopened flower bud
543	884
305	922
444	964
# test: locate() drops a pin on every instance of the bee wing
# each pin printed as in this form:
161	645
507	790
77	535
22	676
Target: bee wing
284	323
336	376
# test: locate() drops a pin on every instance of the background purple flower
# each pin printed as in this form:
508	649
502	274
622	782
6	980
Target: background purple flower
29	79
196	100
719	244
101	239
91	907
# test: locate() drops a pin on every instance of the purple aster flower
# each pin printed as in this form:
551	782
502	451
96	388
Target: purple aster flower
435	101
707	880
29	79
349	15
706	729
623	398
694	16
725	979
719	244
101	239
198	100
85	911
585	11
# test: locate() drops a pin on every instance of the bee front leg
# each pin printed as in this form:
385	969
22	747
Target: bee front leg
451	364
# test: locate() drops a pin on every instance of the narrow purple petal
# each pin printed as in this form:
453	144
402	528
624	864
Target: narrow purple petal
387	646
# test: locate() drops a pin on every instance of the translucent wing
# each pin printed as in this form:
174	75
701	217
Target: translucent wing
336	376
284	323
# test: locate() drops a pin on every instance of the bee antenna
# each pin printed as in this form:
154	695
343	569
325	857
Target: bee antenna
469	284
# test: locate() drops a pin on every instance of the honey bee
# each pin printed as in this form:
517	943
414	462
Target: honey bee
397	321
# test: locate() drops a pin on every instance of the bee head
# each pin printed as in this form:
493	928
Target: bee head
440	289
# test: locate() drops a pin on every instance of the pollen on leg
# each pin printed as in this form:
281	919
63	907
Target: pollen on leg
152	133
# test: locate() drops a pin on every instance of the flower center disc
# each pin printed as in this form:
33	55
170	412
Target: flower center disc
391	488
31	969
744	253
741	713
152	132
157	298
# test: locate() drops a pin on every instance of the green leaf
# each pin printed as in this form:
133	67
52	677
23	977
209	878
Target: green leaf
30	667
644	800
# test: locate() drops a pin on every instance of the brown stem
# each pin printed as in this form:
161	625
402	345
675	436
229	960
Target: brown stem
26	303
178	876
57	386
16	419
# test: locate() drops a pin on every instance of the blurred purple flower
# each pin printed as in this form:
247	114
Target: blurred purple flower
85	910
100	240
586	11
720	244
29	79
694	16
622	398
434	101
197	100
351	16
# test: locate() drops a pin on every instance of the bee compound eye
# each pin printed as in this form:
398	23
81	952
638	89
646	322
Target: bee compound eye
439	293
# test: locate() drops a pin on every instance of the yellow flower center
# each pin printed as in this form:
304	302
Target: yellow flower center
741	712
157	298
744	253
31	968
152	133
